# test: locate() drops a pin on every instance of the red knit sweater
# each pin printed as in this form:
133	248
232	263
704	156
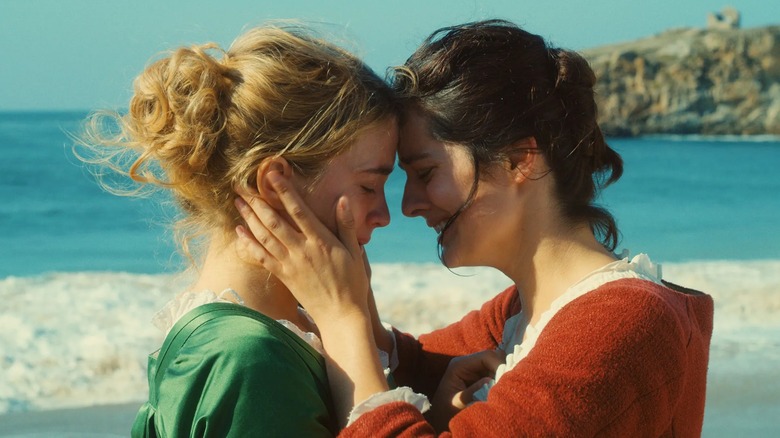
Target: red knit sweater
627	359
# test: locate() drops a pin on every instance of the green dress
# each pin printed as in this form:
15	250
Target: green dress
226	370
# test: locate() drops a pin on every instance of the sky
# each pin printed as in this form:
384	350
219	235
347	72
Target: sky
84	54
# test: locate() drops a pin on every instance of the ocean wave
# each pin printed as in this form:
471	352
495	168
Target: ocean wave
79	339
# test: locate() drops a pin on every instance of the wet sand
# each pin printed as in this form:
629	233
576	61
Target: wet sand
93	421
744	404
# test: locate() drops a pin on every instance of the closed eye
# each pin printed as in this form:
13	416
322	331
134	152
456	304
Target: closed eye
425	174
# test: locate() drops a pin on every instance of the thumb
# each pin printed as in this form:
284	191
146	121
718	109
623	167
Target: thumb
465	397
345	222
492	359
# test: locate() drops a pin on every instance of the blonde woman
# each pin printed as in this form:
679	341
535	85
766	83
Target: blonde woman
241	358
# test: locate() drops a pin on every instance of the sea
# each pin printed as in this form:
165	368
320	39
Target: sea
680	199
81	269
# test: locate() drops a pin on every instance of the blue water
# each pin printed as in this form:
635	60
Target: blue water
680	199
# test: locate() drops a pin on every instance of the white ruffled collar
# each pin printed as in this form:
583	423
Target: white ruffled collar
520	337
174	309
166	317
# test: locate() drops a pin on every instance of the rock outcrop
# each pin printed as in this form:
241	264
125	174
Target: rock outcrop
690	81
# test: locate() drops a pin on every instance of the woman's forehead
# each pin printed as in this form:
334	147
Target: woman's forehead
374	150
414	137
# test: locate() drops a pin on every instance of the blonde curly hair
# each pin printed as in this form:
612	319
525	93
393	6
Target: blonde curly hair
200	125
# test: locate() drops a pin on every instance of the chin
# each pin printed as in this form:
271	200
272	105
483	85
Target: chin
450	259
453	257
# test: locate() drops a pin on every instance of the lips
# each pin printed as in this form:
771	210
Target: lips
438	226
363	240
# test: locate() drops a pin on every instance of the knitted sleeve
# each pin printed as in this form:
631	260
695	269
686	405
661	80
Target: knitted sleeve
615	362
423	362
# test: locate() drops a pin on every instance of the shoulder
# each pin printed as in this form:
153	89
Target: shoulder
677	304
250	343
641	299
633	312
251	353
505	304
248	375
493	314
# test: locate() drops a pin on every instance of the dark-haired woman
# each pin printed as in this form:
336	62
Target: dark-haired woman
504	159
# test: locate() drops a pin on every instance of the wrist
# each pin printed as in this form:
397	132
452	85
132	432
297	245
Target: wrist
354	370
345	320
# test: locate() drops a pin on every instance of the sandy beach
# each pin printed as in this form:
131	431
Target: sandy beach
744	406
82	372
93	421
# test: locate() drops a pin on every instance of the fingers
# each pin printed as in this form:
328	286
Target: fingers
474	370
476	365
267	223
250	250
465	397
346	227
308	222
268	229
491	359
300	213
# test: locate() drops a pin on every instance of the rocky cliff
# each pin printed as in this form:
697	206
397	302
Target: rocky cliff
690	81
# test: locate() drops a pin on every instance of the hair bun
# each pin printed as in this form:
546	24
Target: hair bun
180	107
572	69
202	120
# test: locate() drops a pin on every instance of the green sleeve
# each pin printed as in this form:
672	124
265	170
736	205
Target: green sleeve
237	377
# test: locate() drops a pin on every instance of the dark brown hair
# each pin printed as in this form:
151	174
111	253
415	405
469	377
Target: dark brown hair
489	84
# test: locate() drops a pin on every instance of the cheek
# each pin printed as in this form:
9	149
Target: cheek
361	214
437	194
447	195
323	205
415	191
362	206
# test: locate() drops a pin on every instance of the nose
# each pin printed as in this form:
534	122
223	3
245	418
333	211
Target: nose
380	215
413	202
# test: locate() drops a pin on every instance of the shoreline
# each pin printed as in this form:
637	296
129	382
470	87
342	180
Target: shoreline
729	411
114	420
431	265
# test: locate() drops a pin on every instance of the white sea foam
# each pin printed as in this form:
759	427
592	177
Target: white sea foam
77	338
80	339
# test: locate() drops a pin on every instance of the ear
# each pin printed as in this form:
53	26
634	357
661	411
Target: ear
264	188
523	159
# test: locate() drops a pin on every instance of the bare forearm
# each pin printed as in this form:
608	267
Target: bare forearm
353	366
382	337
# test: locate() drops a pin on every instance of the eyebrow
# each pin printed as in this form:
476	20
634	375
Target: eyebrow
409	159
381	170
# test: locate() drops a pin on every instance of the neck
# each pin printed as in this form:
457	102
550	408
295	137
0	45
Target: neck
223	269
559	258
